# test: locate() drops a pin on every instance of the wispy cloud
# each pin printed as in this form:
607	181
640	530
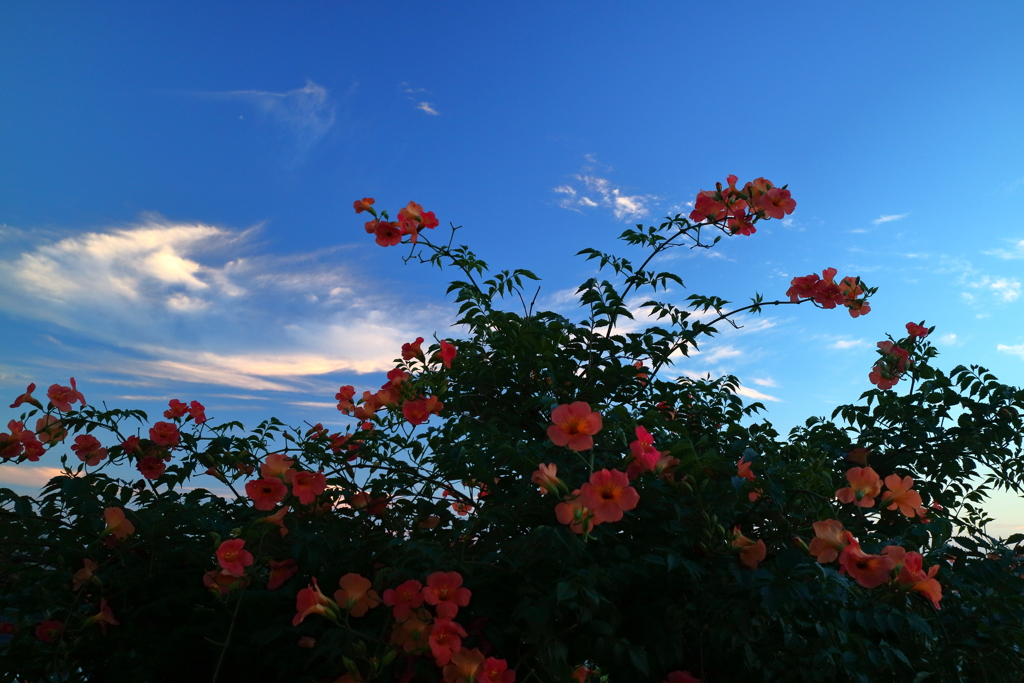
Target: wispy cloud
764	382
414	94
843	344
306	112
889	218
588	191
1005	289
1015	252
757	395
1017	350
949	339
201	303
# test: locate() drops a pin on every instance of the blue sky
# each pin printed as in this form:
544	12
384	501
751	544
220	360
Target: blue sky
176	182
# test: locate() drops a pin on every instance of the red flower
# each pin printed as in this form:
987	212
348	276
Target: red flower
419	411
643	453
829	540
573	512
404	599
118	526
356	595
198	412
776	203
311	601
281	572
495	671
104	618
49	630
681	677
751	552
27	398
152	467
868	570
130	445
413	633
83	575
545	477
574	426
49	428
62	397
608	494
88	449
388	234
176	409
912	575
802	287
364	204
447	353
266	493
165	434
277	465
233	557
901	495
706	207
915	330
864	486
277	519
445	638
344	397
464	666
444	590
307	486
412	350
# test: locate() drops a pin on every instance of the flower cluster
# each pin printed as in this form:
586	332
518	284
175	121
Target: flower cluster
276	475
866	485
895	360
739	208
825	292
398	392
894	565
416	631
411	219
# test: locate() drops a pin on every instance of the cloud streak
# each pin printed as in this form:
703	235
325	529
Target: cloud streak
589	191
1016	252
306	112
889	218
199	303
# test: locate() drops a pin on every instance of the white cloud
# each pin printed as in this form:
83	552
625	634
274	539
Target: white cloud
757	395
889	218
948	339
27	475
197	303
1016	252
1017	350
590	191
843	344
764	382
307	112
428	108
1005	289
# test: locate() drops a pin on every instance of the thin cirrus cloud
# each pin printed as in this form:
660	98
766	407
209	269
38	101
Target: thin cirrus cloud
1017	350
589	191
1016	252
197	303
889	218
415	94
307	113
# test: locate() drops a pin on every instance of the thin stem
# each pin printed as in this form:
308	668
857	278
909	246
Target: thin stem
227	641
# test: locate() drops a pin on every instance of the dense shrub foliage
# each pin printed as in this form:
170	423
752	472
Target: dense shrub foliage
533	501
